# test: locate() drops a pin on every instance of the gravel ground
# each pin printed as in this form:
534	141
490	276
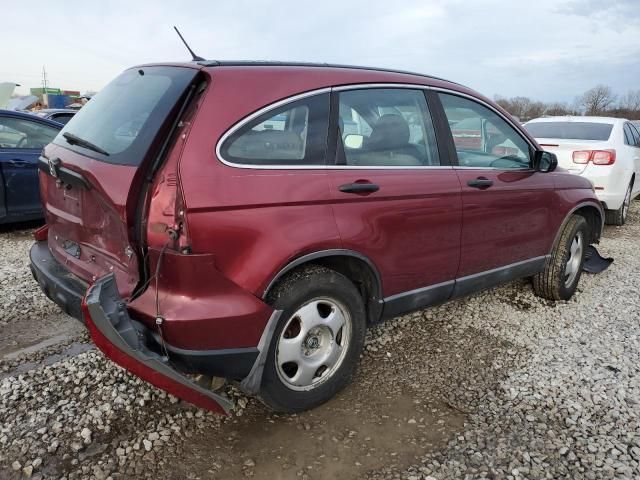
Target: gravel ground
499	385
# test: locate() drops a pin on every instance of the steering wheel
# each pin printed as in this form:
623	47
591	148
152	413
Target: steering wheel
21	142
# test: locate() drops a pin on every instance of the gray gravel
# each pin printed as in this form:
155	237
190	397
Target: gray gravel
547	390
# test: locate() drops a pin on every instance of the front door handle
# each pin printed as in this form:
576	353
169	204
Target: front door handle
359	187
480	182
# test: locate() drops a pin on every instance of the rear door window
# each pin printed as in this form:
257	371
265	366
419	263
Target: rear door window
126	115
635	133
386	127
294	134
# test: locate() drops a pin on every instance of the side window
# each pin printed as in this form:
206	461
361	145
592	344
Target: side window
20	133
629	137
294	134
636	134
482	138
386	127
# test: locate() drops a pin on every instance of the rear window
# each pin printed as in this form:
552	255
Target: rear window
570	130
125	116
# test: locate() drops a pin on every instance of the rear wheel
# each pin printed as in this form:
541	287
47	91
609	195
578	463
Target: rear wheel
316	346
619	217
560	277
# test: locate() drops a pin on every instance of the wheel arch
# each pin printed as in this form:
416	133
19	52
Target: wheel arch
355	266
594	215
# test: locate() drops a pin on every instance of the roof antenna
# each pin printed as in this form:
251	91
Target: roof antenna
196	58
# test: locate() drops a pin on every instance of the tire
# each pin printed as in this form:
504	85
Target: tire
312	299
554	282
619	217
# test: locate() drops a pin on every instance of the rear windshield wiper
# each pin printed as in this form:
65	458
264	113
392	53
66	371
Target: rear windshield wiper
75	140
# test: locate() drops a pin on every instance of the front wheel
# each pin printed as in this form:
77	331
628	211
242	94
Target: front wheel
619	217
316	346
560	277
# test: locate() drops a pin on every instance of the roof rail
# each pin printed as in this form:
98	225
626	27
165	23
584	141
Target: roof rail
275	63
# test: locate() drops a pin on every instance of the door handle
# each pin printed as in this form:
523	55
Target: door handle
16	162
480	182
359	187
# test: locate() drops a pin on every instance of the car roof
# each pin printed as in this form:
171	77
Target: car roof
29	116
577	118
277	63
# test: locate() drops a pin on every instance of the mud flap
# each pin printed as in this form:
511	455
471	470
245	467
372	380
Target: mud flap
123	340
594	262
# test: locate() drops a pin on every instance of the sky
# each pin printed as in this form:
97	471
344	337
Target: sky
551	50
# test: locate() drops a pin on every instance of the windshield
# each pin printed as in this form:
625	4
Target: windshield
123	118
570	130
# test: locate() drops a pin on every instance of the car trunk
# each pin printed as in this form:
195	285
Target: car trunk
93	176
564	148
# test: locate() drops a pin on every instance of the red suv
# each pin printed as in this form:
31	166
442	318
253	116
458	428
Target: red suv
249	220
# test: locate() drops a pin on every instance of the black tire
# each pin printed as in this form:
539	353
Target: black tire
551	282
289	295
619	217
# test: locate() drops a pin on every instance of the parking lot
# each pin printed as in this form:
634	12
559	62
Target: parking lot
498	385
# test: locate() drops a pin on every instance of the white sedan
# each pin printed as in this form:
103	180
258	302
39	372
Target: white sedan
605	150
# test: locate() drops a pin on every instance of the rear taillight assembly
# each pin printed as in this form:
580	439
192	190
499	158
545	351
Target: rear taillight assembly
598	157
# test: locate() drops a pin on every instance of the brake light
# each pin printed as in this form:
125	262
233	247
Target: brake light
581	156
598	157
604	157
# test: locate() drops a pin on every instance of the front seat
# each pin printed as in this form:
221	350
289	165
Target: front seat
389	144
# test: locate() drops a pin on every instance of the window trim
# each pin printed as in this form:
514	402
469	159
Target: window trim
330	165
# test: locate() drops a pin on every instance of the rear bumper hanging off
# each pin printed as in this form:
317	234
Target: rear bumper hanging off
124	341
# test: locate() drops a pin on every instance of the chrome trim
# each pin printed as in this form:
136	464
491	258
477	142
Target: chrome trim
256	114
362	86
340	88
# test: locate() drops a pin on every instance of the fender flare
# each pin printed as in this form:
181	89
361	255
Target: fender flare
596	205
333	252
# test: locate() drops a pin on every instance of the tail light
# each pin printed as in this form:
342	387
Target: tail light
598	157
42	233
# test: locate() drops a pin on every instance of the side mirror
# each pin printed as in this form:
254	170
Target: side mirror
545	161
353	141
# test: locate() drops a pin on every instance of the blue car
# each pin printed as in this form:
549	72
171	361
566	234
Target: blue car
22	138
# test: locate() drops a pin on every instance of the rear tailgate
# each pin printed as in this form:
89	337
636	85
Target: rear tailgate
92	175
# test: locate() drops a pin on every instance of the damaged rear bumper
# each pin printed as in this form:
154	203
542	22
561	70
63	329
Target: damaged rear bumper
135	347
124	340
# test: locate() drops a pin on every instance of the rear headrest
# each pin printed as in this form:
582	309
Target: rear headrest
390	131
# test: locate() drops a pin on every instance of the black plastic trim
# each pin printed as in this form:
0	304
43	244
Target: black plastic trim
57	283
444	138
481	281
64	175
415	299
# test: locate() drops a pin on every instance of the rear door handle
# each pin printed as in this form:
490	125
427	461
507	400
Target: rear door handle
480	182
359	187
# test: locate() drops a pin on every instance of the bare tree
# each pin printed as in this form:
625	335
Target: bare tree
557	109
597	100
631	101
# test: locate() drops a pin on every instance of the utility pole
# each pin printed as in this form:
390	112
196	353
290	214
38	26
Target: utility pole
45	82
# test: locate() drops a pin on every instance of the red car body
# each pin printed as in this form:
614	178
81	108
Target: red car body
225	233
